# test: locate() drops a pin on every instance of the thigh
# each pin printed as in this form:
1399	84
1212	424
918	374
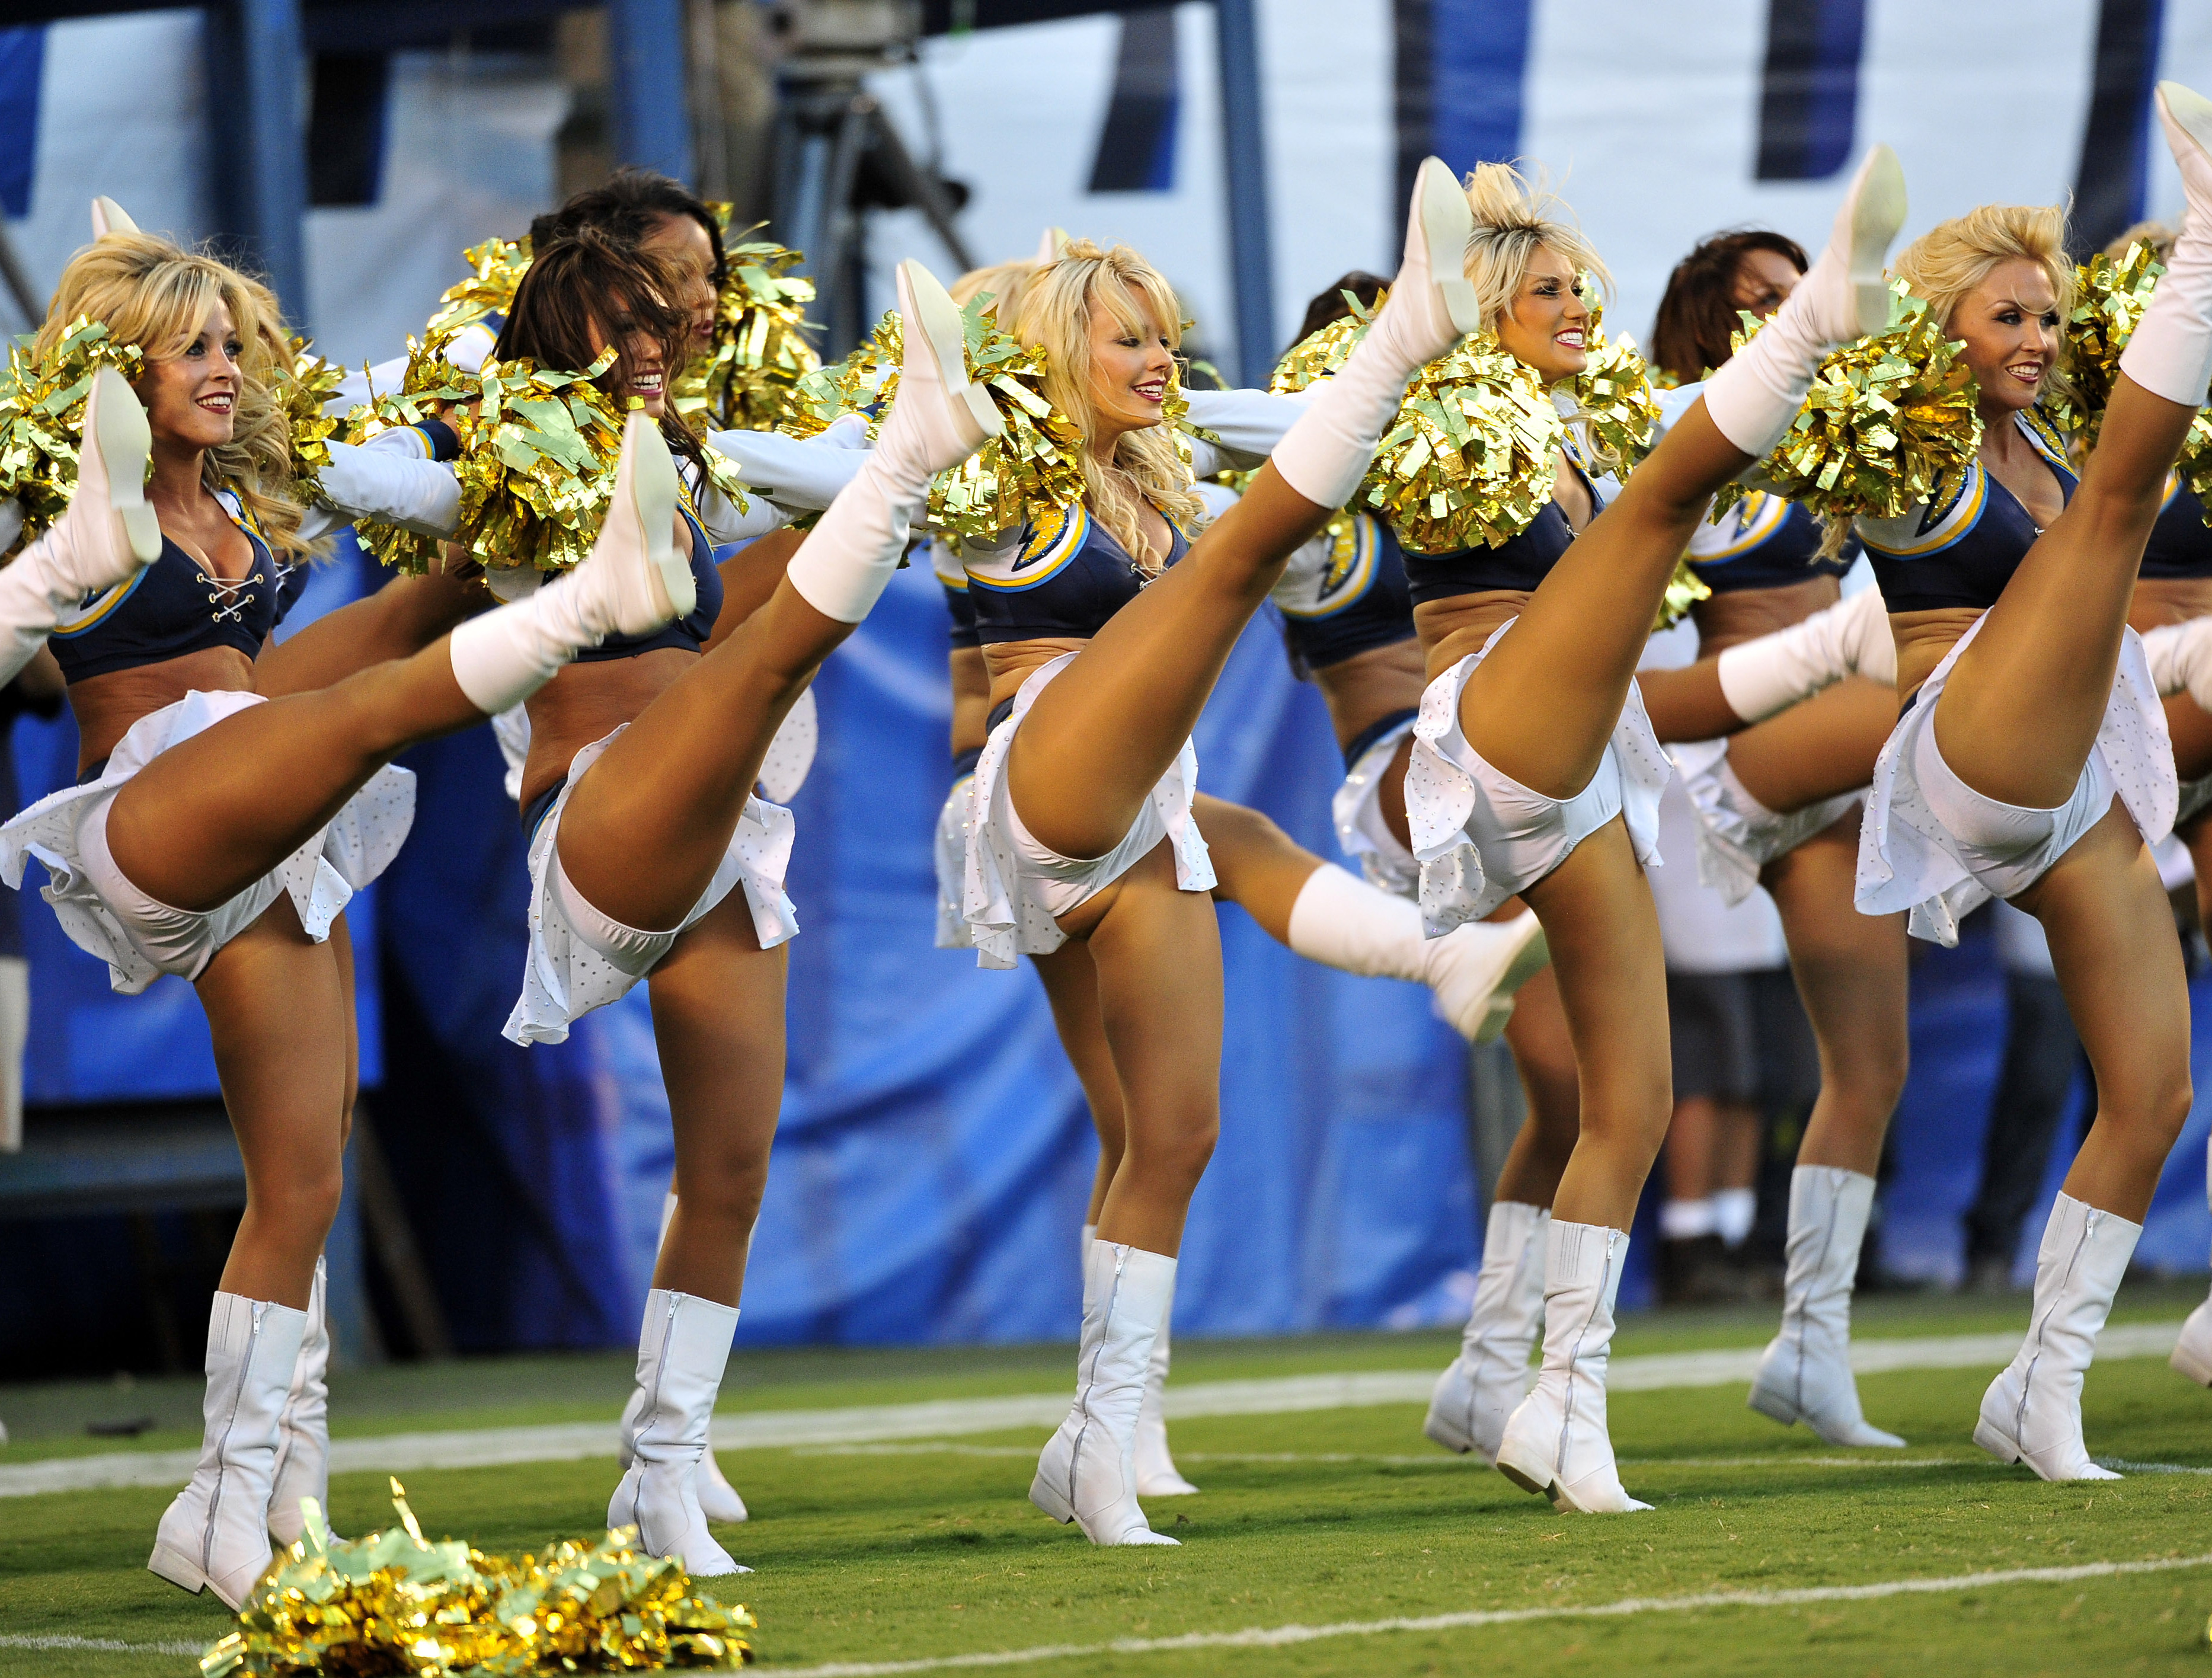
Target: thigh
1156	953
213	813
1821	749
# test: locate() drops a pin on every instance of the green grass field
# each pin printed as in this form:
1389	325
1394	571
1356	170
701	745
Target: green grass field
915	1552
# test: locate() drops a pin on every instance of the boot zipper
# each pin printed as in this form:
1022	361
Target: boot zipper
653	1409
1083	1393
222	1447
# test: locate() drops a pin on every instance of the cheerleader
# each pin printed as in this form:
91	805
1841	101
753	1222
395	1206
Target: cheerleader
226	813
1777	807
653	744
1550	625
2033	762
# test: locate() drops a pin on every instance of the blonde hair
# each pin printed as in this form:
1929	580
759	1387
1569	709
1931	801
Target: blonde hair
1055	312
1514	219
1953	259
151	293
1005	281
2159	235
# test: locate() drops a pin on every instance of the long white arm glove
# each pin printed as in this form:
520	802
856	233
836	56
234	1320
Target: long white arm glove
1248	422
797	474
387	479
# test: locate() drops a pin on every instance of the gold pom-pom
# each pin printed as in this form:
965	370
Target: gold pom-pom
747	381
393	1602
1888	421
2109	298
1614	400
1473	456
42	416
495	271
1324	351
302	387
1033	467
1684	590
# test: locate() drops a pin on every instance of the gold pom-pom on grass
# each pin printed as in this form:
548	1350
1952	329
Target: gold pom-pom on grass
42	417
1890	420
748	381
394	1602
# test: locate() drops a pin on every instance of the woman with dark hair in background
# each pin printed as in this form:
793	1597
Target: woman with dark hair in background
1777	805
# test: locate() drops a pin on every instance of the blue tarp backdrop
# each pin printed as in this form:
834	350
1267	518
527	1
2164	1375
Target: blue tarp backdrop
934	1155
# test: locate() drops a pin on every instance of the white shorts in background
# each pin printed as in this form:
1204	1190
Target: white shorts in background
580	959
1014	889
1933	845
1481	836
952	931
1361	832
139	938
1738	836
2191	798
783	770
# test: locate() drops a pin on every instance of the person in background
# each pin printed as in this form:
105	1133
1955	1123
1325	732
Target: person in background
37	691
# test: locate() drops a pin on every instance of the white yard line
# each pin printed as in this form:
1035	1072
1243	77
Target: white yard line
103	1645
482	1448
1278	1637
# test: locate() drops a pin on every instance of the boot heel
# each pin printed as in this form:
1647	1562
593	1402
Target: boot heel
1051	1499
180	1570
1774	1405
1996	1441
2189	1360
1532	1477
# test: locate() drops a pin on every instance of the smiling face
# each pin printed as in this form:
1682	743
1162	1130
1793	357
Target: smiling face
2010	326
642	370
1763	282
1130	369
682	242
1547	324
191	398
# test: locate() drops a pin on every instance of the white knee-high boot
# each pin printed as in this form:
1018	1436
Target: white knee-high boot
1429	308
1156	1473
1556	1442
216	1534
1753	398
1484	1385
106	535
2193	1352
2170	352
303	1444
1473	971
1088	1471
682	1350
2031	1412
718	1499
1806	1374
635	578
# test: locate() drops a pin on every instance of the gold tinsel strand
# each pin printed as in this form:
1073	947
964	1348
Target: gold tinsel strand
2109	297
394	1603
301	388
496	267
42	416
1889	421
1615	402
747	381
1033	467
538	451
1472	455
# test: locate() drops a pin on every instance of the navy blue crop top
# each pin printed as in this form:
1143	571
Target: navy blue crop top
1356	601
1961	550
1764	542
2180	545
1063	579
690	634
1520	562
174	607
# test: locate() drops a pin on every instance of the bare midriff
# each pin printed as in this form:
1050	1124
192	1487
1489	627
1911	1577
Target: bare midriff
2160	600
107	706
1744	614
1013	662
1450	629
1364	688
1923	639
588	702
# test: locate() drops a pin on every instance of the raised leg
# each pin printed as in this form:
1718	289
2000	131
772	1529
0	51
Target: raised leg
1819	750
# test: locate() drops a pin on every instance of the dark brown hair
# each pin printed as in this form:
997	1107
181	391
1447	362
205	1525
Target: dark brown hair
583	279
1690	336
630	207
1328	304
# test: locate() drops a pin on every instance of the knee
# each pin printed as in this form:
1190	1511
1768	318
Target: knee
1174	1161
727	1187
303	1205
2153	1112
